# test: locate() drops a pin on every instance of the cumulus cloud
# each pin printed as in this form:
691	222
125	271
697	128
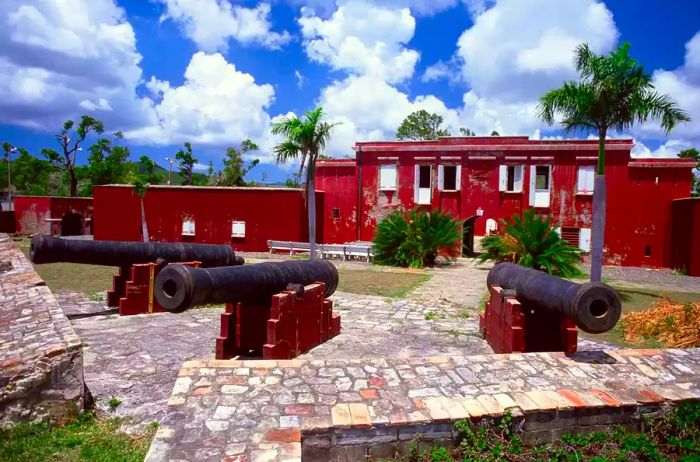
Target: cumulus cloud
59	58
216	104
669	149
682	84
516	50
324	8
362	38
212	23
504	65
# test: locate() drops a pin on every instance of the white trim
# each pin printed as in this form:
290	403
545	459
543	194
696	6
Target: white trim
388	158
542	158
481	157
516	157
450	157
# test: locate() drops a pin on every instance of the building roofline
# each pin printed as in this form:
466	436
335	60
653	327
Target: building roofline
204	188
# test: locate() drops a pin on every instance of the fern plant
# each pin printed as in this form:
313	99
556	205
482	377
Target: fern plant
531	241
414	239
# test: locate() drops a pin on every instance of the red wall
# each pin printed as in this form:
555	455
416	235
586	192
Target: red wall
268	213
639	206
339	179
686	235
31	212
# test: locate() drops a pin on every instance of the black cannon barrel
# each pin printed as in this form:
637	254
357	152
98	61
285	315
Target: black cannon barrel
47	249
594	307
179	287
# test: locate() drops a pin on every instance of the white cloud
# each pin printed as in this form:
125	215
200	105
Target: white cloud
212	23
300	79
362	38
216	105
669	149
59	58
516	50
324	8
682	84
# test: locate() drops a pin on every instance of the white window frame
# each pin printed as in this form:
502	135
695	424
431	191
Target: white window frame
441	177
237	228
518	178
422	196
585	180
382	169
188	226
540	198
584	239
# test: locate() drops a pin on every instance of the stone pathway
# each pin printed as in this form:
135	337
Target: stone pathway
344	409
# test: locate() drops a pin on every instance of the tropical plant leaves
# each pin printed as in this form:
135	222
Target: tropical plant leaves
532	241
413	239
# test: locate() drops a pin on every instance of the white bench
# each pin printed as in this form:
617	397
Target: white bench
344	251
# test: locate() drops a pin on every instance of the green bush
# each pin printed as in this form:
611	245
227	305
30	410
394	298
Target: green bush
413	239
532	241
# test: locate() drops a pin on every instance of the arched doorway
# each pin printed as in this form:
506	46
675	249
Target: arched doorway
468	236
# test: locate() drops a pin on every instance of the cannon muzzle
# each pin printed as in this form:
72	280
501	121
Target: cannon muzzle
47	249
179	287
594	307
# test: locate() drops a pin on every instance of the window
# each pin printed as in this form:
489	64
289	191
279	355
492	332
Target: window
540	185
542	178
387	177
188	227
238	229
510	178
335	212
449	177
422	184
586	175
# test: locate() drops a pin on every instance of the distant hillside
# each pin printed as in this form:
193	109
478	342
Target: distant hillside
177	179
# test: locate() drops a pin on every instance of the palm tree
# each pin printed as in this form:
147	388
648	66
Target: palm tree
140	187
306	138
614	93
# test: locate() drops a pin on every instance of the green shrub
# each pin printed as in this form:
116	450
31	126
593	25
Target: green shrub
413	239
532	241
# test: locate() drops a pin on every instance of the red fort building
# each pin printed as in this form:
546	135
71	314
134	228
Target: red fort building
481	180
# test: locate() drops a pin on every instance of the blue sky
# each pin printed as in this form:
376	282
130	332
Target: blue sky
215	72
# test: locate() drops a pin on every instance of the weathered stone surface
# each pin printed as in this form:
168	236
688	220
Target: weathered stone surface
41	358
428	403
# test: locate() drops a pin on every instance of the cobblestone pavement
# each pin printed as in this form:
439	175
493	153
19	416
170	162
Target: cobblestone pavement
258	410
136	358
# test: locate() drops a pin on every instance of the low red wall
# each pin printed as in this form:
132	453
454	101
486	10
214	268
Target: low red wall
686	235
32	213
268	213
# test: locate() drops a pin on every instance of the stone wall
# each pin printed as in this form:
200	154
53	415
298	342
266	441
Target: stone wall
41	357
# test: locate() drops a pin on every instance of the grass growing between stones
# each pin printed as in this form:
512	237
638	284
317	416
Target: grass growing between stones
85	439
383	283
673	437
634	300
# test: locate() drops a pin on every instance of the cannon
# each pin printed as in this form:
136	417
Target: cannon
47	249
180	287
138	262
268	313
593	306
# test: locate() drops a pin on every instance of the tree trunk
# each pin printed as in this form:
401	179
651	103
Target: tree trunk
599	206
144	226
73	183
310	192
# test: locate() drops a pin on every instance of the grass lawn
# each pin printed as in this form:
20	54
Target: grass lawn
89	279
382	283
86	439
73	277
640	300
